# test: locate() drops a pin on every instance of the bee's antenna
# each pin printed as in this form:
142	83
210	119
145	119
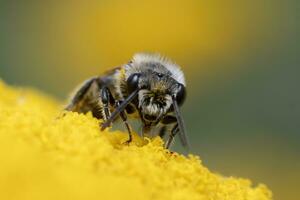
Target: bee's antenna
119	109
182	131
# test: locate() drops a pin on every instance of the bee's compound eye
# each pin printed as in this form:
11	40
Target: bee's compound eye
133	82
181	94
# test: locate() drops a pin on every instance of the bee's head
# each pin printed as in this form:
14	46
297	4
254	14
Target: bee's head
159	82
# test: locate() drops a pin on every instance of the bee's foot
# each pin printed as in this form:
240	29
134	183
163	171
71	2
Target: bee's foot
103	126
127	142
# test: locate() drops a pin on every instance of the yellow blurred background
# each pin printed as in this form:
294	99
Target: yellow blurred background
241	60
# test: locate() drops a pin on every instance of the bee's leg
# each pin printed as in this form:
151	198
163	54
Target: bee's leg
120	107
162	131
124	119
171	136
170	120
106	98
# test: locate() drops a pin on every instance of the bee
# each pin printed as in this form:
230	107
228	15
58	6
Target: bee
149	87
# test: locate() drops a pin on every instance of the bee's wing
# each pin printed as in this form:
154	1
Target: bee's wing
182	131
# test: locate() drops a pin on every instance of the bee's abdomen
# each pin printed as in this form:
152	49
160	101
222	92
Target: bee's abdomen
87	99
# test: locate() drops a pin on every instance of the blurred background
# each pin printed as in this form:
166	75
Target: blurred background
241	60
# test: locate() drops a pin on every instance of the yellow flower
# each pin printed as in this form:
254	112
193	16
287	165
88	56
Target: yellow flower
45	157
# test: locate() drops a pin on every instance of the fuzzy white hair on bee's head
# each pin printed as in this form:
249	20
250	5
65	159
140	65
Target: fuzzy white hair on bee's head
141	59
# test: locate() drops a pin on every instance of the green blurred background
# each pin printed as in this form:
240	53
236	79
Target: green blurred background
241	60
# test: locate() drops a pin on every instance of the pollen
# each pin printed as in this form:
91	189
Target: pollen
49	154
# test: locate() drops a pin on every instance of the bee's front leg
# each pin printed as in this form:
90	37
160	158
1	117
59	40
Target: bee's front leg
162	131
172	121
173	133
106	98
